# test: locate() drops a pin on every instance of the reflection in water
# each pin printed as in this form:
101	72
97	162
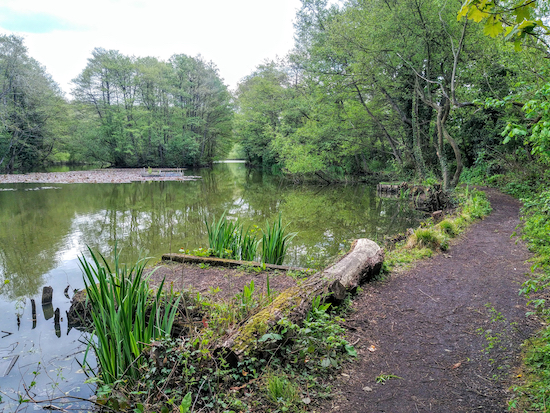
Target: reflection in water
43	231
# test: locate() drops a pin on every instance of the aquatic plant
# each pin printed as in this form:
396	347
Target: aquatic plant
126	316
227	239
223	237
275	242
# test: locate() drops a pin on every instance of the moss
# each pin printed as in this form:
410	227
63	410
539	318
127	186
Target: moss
259	323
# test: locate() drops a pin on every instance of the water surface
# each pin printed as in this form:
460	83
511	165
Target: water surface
44	228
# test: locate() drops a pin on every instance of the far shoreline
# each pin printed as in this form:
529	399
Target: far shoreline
97	176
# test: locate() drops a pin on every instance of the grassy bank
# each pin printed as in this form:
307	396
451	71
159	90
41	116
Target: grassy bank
431	236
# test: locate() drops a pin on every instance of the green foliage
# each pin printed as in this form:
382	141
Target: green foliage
475	205
146	112
32	109
319	343
448	227
126	316
299	356
427	238
516	20
227	239
275	242
281	391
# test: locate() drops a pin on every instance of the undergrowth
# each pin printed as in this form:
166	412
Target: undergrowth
190	372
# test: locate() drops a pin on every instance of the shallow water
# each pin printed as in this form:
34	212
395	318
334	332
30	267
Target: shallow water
44	229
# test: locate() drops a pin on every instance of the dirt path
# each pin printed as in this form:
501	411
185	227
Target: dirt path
432	326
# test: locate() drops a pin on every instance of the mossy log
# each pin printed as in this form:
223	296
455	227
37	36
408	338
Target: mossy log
361	263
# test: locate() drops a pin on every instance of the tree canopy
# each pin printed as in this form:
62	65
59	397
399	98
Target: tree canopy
31	108
146	112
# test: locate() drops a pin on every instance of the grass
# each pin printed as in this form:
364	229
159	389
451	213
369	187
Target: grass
126	317
280	390
430	238
448	227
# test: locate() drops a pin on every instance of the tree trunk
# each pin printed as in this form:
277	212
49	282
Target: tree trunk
363	262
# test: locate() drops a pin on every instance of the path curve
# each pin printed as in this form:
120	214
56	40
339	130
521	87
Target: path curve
428	327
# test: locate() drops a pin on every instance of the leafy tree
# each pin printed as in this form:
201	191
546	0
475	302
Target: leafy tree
516	20
376	81
146	112
31	108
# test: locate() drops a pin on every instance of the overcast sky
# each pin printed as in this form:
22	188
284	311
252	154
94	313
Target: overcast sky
236	35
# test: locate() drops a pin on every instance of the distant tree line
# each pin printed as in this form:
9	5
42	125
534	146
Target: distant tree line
126	112
145	112
417	88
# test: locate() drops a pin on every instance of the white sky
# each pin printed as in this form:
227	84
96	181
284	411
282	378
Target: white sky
237	35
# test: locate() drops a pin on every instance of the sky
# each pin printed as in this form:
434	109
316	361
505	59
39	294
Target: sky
237	35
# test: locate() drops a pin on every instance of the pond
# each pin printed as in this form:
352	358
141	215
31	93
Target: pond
45	228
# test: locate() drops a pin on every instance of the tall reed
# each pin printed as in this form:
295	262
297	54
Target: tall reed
275	242
126	316
227	239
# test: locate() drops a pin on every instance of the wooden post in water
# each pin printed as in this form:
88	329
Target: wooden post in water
56	323
33	306
47	307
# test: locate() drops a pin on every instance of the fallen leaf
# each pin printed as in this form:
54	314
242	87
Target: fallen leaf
457	365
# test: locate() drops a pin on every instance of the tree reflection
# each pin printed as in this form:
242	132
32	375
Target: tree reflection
152	218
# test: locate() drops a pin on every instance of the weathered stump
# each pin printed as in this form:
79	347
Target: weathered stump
47	295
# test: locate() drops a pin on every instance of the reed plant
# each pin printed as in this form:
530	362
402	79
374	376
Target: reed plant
126	316
223	237
227	239
275	242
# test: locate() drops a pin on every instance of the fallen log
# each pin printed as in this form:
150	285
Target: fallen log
224	262
361	263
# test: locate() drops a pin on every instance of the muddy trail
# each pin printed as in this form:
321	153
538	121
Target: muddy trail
444	336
